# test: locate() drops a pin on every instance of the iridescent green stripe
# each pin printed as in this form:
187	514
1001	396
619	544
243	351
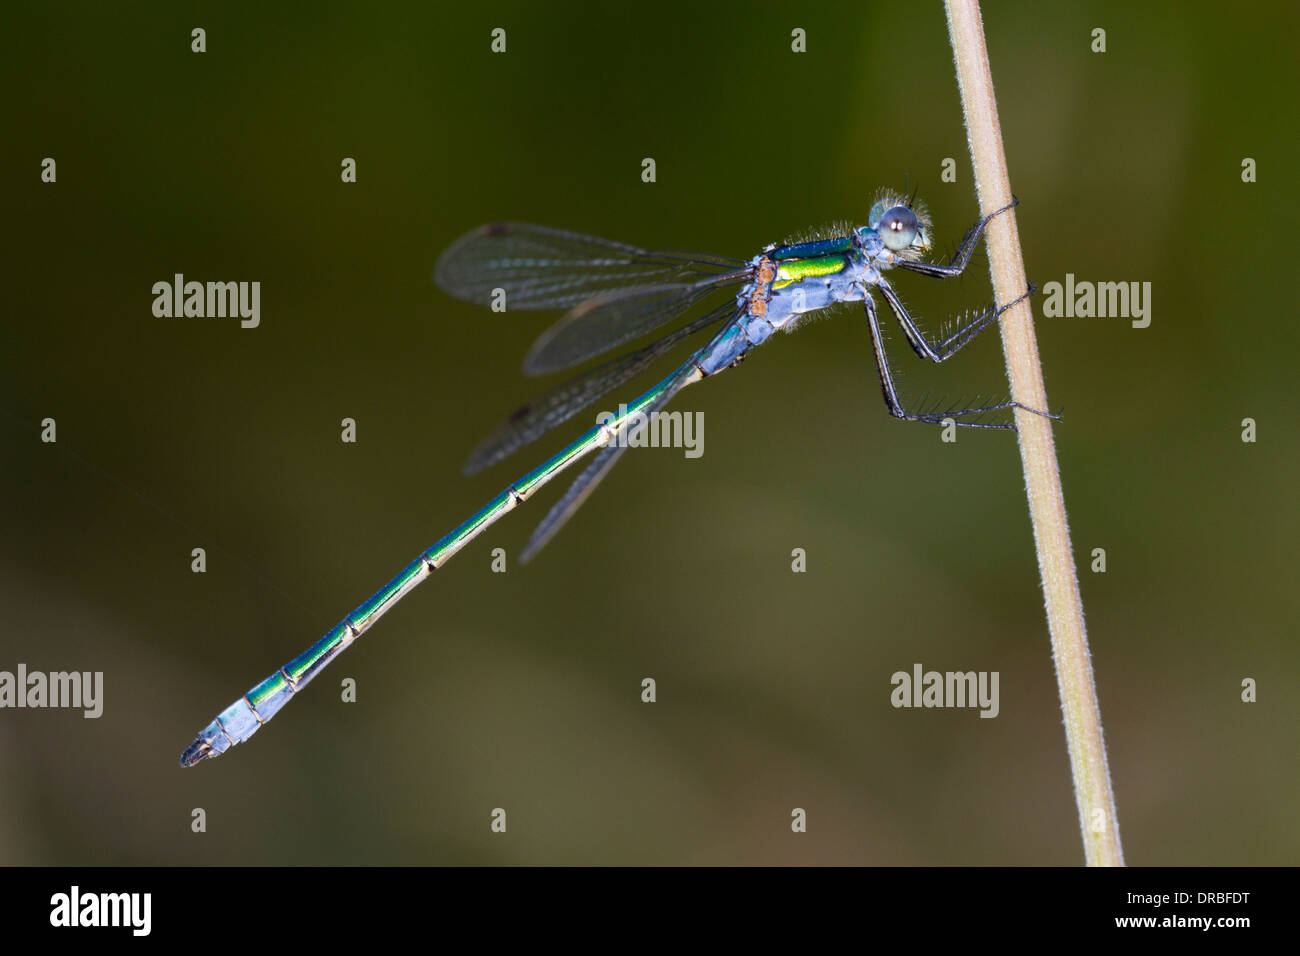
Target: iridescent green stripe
467	532
791	271
307	664
590	441
813	249
548	469
265	691
392	592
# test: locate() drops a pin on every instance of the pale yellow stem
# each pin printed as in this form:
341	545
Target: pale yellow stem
1083	733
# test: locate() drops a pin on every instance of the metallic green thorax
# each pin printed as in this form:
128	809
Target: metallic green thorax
790	271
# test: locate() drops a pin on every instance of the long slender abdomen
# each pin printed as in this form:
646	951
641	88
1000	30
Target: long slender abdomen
246	715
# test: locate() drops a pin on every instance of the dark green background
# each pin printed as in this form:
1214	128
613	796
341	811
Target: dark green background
522	690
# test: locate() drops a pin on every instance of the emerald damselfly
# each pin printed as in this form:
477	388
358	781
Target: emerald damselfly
615	293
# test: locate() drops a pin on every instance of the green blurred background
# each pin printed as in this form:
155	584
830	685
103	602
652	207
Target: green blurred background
521	690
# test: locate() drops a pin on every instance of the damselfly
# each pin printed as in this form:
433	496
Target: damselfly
615	293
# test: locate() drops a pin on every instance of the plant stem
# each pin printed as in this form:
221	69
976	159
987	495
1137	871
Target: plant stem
1092	789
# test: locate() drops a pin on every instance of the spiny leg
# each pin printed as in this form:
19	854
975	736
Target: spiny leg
957	264
895	405
957	341
953	343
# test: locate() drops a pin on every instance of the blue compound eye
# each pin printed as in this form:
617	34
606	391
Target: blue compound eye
898	228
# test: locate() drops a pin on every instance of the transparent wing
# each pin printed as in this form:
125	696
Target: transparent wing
544	268
529	422
615	318
614	292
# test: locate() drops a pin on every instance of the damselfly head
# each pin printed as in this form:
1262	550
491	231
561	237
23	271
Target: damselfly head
903	226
